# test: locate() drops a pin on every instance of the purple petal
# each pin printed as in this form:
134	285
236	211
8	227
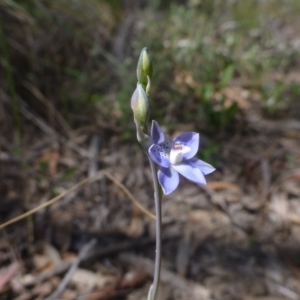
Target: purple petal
189	142
157	134
168	179
204	167
191	173
159	156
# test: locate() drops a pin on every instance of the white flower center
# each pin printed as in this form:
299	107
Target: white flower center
176	154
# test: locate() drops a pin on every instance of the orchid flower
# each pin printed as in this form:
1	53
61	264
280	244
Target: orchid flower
177	157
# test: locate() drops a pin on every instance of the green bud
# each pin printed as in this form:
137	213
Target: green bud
140	105
144	68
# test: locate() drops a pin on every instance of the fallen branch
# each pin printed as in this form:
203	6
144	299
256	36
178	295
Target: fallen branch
99	175
63	285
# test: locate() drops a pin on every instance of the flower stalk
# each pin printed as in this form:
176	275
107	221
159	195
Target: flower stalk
140	108
157	199
172	158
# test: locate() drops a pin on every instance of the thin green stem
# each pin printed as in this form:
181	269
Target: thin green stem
157	199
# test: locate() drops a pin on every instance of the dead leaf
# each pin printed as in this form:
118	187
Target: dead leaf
90	279
51	158
7	274
133	278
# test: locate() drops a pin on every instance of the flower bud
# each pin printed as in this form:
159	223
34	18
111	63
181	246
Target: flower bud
140	105
144	68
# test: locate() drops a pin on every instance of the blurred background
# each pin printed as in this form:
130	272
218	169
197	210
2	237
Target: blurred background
226	69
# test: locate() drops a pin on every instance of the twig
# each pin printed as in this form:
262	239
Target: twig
130	196
49	106
42	125
50	131
97	176
288	293
97	253
93	151
82	255
50	202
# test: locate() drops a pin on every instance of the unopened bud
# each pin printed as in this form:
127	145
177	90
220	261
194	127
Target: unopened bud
140	105
144	68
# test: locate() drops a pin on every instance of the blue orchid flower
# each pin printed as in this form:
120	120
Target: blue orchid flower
177	157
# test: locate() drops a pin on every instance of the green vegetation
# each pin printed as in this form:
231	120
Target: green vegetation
78	55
